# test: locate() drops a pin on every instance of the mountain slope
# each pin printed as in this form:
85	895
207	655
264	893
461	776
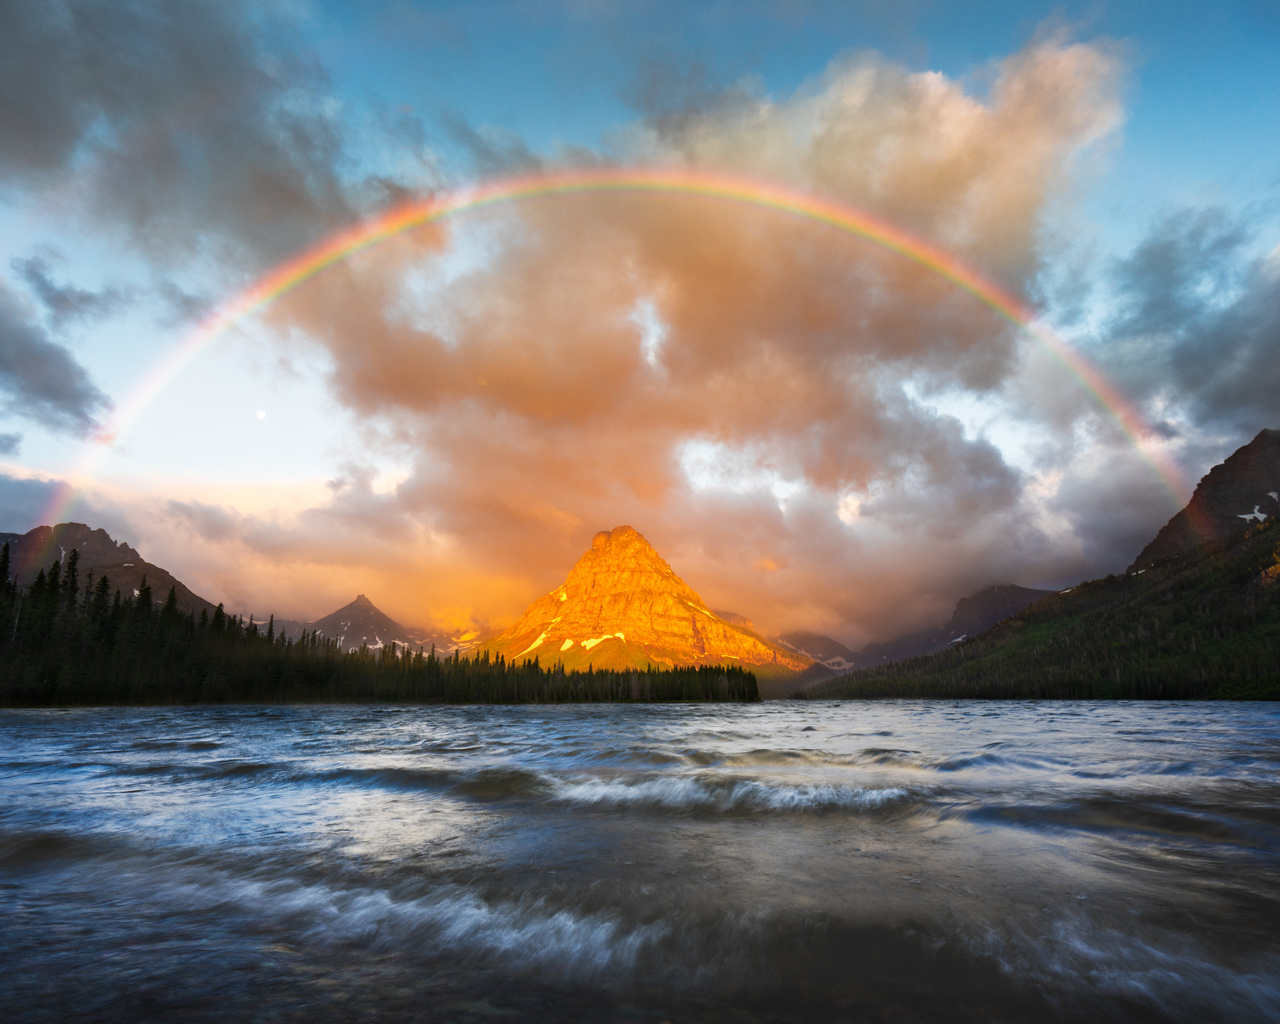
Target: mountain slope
821	649
622	606
1243	489
1205	623
125	569
972	615
37	549
361	622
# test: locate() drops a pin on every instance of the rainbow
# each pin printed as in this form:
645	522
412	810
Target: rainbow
306	265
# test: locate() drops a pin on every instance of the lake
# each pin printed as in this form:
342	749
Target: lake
895	861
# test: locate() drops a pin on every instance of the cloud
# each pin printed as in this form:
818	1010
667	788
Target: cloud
10	443
1200	324
536	409
194	126
491	151
23	501
40	378
66	302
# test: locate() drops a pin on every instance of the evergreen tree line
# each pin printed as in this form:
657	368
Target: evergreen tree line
64	643
1204	624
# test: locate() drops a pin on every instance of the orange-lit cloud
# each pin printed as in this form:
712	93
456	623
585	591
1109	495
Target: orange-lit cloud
746	390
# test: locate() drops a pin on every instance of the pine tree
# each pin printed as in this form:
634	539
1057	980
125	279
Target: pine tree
71	579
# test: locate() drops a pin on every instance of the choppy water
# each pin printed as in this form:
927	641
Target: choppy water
841	861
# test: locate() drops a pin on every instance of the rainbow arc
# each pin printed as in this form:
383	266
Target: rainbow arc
306	265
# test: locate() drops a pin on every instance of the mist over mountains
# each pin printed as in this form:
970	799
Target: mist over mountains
622	605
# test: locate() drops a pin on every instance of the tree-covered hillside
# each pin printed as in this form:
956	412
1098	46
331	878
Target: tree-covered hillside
68	641
1202	624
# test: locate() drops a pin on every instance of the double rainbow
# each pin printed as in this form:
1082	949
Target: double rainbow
294	272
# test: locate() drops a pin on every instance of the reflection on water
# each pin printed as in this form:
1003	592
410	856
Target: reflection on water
841	861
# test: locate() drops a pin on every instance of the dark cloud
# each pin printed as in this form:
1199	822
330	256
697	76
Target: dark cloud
493	152
41	379
10	443
181	306
193	124
66	302
1200	326
26	502
23	502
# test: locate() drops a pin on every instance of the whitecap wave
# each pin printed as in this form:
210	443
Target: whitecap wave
683	792
451	918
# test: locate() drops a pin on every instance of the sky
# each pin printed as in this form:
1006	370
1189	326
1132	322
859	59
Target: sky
816	431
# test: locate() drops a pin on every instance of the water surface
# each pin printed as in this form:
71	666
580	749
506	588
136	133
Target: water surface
912	861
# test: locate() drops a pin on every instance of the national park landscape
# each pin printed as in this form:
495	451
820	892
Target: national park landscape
639	513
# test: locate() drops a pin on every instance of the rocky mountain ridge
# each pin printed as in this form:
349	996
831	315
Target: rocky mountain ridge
99	555
1241	490
622	605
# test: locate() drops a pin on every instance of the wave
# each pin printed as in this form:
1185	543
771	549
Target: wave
449	919
726	795
1078	961
704	792
1239	826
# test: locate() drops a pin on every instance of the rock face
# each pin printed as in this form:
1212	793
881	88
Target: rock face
30	552
623	606
1235	494
100	556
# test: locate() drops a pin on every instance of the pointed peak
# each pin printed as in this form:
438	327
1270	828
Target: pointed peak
618	536
361	602
621	548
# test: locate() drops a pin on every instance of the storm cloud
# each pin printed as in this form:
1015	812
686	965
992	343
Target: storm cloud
39	378
189	125
1200	322
65	302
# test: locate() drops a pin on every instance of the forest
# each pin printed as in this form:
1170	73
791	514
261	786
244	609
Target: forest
64	641
1201	625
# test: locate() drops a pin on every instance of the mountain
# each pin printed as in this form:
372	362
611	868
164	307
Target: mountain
623	606
1201	624
820	649
38	549
360	622
1243	490
1196	615
99	556
972	615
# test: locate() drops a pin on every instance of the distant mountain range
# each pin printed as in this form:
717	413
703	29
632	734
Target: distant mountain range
822	650
362	623
622	605
358	623
972	615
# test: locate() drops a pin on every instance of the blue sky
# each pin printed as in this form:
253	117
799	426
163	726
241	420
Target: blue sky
160	158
